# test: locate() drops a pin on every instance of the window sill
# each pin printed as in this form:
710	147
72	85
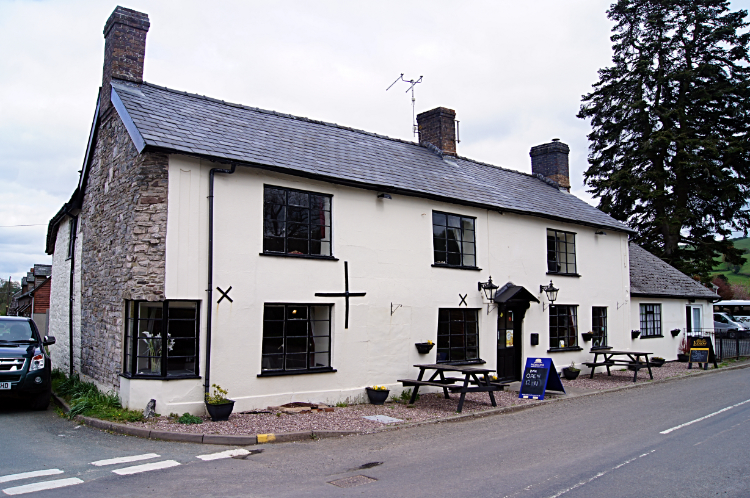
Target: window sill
564	274
600	348
456	267
153	377
651	336
564	350
299	256
458	363
275	373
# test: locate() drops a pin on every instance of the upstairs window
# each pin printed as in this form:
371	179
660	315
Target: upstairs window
650	320
561	252
296	222
599	326
453	240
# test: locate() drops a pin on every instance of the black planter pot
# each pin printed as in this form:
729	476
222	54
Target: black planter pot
635	333
220	412
586	336
675	332
657	363
377	397
423	347
683	358
570	374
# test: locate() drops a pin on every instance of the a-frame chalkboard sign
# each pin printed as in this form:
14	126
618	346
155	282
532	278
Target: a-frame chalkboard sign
701	352
539	375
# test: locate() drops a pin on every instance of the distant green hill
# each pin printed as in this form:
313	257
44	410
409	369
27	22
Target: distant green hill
735	275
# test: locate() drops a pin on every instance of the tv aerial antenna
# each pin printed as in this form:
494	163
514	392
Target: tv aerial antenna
412	84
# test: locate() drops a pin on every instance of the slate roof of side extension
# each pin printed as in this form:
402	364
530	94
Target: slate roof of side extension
652	277
197	125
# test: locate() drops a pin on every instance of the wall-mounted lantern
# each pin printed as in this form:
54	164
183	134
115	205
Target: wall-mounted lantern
551	292
488	289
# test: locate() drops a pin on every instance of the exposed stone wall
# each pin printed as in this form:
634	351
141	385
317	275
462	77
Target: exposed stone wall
124	226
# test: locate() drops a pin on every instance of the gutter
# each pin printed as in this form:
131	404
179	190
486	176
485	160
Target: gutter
209	290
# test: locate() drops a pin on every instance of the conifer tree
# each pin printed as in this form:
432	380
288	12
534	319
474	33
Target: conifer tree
669	147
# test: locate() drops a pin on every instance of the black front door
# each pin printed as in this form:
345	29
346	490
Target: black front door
509	344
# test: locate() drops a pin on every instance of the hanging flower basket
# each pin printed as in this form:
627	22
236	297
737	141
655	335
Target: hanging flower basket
635	333
587	336
424	347
675	332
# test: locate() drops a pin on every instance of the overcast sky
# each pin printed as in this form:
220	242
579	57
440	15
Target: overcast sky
514	71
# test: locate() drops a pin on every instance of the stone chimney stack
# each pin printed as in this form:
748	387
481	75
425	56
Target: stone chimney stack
551	161
438	127
124	49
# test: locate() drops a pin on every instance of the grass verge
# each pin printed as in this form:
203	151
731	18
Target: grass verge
86	399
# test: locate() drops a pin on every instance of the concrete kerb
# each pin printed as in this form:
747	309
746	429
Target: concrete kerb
248	439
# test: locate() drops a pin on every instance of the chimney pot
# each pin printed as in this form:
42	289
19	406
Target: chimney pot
124	49
551	161
438	127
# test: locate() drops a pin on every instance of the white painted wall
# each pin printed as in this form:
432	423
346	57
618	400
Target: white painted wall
673	317
388	244
59	296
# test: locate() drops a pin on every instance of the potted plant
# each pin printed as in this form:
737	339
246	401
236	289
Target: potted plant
635	333
424	347
377	394
218	405
571	372
675	332
657	361
587	336
684	353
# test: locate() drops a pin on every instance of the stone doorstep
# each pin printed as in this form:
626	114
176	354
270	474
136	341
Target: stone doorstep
246	440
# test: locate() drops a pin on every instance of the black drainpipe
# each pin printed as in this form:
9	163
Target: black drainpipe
73	233
209	302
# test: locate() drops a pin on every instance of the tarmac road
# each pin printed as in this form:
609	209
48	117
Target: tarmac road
688	438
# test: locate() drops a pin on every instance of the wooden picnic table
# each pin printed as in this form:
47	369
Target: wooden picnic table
470	383
634	361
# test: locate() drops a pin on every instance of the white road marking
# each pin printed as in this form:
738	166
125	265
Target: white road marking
704	418
135	469
127	459
42	486
597	476
223	454
28	475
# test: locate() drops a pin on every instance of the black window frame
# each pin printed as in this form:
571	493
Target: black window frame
644	313
599	326
446	336
131	342
554	251
556	313
463	255
268	372
326	226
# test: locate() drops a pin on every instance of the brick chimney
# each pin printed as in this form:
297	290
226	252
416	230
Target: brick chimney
124	49
438	127
551	161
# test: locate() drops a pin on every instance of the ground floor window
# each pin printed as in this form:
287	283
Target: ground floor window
296	338
563	326
161	338
650	320
458	335
599	326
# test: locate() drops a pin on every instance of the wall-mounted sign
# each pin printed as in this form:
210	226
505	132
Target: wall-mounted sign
539	376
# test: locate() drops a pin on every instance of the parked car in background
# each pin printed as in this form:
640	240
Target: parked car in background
726	324
25	366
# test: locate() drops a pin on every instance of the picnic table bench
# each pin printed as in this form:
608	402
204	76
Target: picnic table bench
470	383
633	362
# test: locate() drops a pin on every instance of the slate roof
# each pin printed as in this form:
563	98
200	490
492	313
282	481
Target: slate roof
652	277
197	125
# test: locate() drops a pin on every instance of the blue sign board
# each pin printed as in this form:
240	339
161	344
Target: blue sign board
539	375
